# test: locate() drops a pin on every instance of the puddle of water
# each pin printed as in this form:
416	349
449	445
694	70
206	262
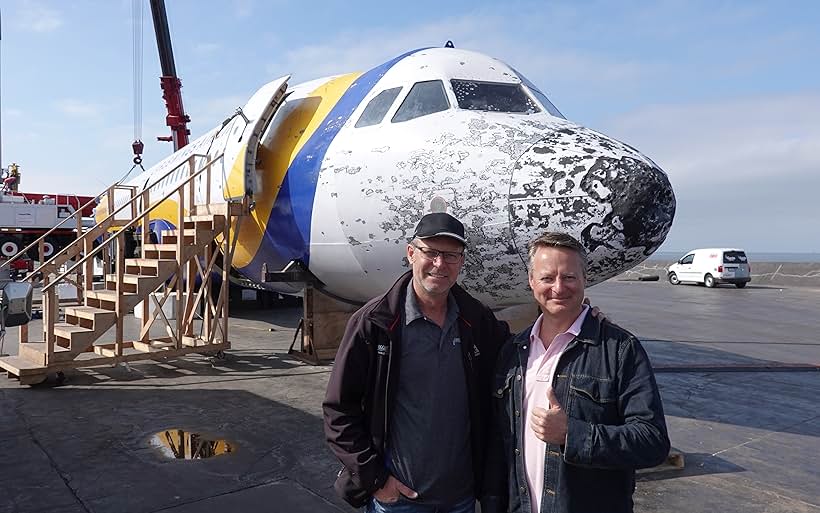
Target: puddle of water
187	445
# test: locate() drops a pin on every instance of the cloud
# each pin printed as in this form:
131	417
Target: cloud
723	142
516	40
745	171
78	108
210	112
36	17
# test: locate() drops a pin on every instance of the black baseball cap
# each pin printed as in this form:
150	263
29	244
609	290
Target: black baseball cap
440	224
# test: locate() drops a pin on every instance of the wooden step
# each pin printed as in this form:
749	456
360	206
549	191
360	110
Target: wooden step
106	299
127	278
207	222
90	317
150	266
200	218
35	353
222	208
27	372
109	296
193	236
19	365
88	312
171	238
169	251
78	337
160	251
134	283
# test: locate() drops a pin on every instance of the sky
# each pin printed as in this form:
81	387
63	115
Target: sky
723	95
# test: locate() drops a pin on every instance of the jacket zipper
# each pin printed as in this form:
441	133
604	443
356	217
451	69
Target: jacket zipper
387	386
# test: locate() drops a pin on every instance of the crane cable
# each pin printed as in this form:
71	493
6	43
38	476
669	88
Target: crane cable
137	146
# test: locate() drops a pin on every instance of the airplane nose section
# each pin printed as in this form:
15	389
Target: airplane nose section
609	196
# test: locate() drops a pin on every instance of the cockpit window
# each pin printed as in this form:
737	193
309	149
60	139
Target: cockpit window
493	97
423	99
541	97
378	107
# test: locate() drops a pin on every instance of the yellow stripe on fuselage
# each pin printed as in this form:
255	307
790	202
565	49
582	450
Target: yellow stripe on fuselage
168	210
304	116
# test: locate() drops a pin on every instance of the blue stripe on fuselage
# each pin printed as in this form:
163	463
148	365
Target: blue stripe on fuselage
287	232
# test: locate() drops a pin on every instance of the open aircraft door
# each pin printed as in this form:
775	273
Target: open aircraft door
240	140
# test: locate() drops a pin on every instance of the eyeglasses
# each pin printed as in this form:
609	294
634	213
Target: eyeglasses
450	257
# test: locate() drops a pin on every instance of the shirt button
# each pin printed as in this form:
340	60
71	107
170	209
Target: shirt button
517	413
517	451
500	391
523	490
518	377
524	347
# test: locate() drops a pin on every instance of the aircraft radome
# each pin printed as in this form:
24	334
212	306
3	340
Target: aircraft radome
345	166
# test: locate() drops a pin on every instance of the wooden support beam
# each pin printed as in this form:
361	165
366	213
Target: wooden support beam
323	324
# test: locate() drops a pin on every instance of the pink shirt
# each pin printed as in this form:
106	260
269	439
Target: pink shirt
537	379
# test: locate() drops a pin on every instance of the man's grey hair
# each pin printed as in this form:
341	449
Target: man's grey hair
557	240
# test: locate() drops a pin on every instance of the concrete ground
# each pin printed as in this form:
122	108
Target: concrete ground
750	439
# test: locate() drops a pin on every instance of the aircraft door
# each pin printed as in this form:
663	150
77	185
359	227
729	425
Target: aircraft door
245	130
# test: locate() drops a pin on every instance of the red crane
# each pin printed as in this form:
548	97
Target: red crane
170	83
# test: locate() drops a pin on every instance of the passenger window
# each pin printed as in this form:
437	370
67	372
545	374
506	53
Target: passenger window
688	259
378	107
493	97
423	99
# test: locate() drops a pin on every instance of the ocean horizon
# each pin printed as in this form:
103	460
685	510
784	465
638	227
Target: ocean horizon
754	256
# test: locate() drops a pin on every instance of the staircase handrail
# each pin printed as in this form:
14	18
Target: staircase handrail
37	241
56	254
138	218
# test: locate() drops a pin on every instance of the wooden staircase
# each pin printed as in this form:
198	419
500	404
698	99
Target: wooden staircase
179	269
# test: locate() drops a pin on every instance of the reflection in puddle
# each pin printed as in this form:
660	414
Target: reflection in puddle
186	445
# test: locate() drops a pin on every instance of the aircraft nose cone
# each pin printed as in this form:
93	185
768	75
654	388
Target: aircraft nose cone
609	196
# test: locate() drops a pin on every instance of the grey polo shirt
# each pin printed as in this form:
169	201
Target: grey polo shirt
429	438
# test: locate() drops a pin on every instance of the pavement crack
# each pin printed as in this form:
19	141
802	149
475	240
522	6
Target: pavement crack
56	468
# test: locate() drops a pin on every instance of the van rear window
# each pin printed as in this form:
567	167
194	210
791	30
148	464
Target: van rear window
734	257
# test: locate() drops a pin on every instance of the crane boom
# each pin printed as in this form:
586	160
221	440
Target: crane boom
176	118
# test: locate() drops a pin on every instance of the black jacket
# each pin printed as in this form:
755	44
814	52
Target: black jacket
362	386
606	386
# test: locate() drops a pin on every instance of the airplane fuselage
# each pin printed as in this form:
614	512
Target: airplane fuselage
348	164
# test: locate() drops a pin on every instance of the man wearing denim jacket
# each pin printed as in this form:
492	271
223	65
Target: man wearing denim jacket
576	408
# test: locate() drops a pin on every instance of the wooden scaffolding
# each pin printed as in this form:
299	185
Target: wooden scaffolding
183	267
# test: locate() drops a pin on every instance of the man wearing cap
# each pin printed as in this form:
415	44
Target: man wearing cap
408	400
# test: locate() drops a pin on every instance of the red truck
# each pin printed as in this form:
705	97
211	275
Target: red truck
24	217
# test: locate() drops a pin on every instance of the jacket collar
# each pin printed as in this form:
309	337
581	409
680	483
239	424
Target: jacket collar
590	331
389	306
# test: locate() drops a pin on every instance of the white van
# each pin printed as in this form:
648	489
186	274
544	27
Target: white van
711	266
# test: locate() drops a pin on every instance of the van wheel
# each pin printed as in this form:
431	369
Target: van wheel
740	285
673	279
709	281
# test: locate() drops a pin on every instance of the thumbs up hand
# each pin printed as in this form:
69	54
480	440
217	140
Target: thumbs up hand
550	425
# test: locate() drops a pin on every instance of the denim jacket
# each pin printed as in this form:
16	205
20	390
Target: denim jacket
606	386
